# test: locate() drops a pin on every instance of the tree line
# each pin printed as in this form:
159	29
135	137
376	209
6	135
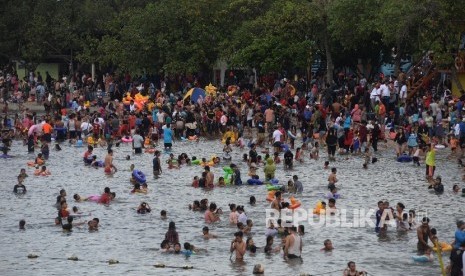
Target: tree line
185	36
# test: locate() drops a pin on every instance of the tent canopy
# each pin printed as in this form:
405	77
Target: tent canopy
194	94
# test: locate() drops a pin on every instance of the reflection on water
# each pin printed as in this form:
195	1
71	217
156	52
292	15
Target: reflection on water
134	239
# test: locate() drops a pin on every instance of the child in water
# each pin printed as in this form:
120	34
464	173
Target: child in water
298	155
252	170
221	182
195	182
171	162
276	159
315	152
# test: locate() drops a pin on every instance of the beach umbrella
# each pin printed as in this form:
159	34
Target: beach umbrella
195	94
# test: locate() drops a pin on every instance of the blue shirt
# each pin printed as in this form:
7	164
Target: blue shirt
167	135
459	238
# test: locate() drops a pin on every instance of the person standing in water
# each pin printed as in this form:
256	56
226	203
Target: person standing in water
157	165
293	245
238	245
423	234
430	162
109	163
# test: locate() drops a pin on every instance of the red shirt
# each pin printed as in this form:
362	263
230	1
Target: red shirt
104	199
132	122
64	213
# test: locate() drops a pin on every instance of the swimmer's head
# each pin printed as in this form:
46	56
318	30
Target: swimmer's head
187	246
106	190
252	200
22	223
163	213
205	230
333	170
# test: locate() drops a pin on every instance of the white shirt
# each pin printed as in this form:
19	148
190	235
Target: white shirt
385	90
403	92
242	218
375	93
434	108
138	141
271	232
161	117
86	125
277	136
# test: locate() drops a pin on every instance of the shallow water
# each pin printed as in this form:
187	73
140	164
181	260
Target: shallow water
134	239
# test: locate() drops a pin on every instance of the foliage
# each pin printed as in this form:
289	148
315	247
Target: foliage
190	36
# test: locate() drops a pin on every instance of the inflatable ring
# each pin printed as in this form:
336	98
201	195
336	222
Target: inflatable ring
79	144
404	158
174	161
439	146
192	138
445	247
5	156
270	196
294	203
126	139
195	162
421	259
253	181
228	170
139	176
273	187
273	181
100	164
150	150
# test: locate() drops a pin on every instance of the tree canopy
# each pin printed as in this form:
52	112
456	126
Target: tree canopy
190	36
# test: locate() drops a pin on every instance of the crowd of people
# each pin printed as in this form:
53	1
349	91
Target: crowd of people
292	119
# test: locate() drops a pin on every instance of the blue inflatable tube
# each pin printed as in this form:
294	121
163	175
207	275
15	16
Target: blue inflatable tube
253	181
6	156
274	181
99	164
138	176
404	158
421	259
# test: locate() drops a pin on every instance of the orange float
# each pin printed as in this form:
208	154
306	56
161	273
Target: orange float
294	203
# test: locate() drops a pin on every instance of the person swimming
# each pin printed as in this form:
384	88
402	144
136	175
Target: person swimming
19	188
144	208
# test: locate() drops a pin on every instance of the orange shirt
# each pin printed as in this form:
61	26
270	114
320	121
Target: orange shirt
47	128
